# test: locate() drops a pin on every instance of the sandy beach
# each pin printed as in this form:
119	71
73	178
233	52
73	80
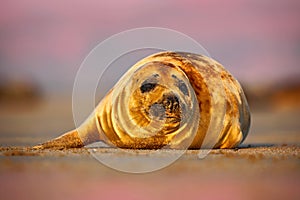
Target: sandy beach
266	166
246	173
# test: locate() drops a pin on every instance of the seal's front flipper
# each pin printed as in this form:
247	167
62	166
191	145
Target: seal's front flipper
68	140
85	134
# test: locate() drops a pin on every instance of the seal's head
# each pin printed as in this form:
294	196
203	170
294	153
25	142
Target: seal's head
160	97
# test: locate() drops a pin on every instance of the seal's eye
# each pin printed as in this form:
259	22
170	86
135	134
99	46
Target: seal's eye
147	87
181	85
183	88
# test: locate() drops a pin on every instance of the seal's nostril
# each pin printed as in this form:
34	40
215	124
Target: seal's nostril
172	99
171	102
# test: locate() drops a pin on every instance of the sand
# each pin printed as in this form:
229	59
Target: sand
263	172
266	166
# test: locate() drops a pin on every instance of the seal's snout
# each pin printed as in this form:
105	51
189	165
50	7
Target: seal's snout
169	105
171	102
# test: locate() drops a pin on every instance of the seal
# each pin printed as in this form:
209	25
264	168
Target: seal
166	100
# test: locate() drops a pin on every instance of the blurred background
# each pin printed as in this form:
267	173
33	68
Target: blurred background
43	44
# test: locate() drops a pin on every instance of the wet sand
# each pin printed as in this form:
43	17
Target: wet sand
266	166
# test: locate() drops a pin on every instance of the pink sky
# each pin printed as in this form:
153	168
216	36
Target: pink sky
48	40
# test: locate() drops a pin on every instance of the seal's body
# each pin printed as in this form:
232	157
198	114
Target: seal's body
169	99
